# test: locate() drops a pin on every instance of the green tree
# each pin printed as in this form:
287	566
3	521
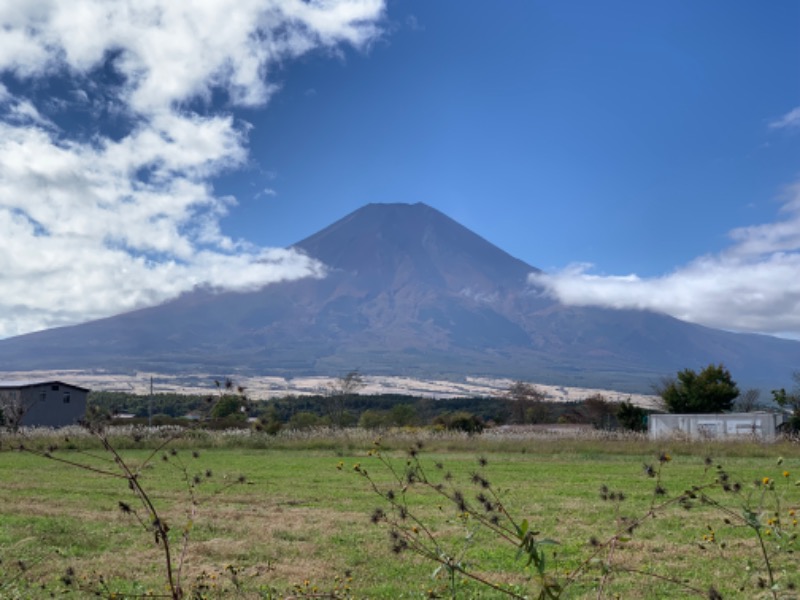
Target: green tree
229	406
403	415
305	420
231	402
631	417
373	419
790	401
712	390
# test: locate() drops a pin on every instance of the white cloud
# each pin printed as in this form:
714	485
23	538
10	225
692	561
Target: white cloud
92	225
266	192
788	121
753	286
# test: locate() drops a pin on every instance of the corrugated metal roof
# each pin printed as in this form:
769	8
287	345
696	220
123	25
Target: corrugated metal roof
13	385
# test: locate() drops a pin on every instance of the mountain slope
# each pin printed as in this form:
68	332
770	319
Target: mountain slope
408	291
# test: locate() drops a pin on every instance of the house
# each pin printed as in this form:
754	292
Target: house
41	403
762	426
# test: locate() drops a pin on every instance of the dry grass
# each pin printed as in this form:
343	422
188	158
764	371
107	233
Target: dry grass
299	519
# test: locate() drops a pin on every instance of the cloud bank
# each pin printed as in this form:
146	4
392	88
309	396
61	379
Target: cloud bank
110	136
753	286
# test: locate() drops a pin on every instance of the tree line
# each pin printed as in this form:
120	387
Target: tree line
711	390
522	404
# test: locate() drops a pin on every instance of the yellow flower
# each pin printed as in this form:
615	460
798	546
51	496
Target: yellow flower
765	481
786	473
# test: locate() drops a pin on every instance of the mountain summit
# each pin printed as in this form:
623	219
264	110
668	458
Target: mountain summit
388	242
408	291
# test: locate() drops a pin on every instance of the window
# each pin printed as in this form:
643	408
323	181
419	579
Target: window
66	397
54	387
708	429
42	396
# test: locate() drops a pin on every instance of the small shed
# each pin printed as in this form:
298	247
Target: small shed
41	403
763	426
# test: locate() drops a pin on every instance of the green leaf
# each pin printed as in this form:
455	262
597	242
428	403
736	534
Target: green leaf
547	542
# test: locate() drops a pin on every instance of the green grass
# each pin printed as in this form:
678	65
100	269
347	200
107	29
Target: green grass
299	519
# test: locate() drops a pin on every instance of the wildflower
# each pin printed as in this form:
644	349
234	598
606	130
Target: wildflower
664	457
340	465
765	481
786	473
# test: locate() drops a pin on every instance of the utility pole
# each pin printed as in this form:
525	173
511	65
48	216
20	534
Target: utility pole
150	405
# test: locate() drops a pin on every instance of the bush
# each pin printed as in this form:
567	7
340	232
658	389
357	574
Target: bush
632	417
461	421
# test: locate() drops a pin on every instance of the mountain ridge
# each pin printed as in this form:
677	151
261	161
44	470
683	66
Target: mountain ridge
408	291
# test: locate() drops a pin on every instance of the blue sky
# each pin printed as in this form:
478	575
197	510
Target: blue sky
644	154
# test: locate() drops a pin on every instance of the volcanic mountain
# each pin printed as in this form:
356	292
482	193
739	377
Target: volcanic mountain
411	292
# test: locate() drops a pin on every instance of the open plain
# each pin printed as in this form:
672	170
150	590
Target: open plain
290	515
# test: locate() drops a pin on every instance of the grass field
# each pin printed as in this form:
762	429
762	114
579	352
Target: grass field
300	522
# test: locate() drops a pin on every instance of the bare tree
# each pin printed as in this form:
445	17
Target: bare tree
748	402
526	403
13	406
601	413
339	392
